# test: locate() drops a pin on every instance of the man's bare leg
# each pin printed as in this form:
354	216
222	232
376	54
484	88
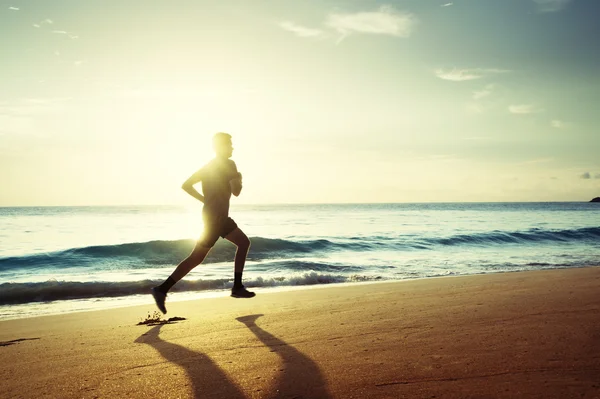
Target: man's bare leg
184	267
194	259
242	242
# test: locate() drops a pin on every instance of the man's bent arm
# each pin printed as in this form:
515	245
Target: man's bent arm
188	186
236	185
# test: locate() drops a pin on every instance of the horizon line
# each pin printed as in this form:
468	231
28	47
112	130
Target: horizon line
293	204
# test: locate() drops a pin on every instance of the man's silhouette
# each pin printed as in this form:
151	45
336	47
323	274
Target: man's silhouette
220	178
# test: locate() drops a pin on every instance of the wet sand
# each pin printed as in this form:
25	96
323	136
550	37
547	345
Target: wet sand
512	335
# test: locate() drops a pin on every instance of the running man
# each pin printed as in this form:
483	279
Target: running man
219	179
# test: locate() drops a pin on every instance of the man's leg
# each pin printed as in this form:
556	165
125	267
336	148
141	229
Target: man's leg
242	242
194	259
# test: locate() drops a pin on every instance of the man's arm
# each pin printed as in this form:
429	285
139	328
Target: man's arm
188	185
236	182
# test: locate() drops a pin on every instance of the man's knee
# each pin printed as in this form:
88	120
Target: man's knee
244	243
198	255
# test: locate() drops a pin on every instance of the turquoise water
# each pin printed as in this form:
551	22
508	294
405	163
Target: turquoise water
56	259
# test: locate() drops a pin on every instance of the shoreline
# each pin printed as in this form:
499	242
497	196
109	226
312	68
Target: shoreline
502	335
92	304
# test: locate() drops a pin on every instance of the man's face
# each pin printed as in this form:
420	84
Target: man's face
225	148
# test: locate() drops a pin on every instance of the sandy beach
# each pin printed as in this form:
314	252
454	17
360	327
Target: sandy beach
512	335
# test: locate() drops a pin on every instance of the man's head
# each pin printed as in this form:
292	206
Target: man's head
222	145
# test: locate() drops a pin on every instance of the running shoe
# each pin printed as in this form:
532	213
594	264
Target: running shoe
241	292
159	298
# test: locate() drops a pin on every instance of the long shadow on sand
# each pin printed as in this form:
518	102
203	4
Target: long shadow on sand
207	379
299	376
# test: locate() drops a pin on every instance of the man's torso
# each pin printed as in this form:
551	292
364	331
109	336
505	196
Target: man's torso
215	187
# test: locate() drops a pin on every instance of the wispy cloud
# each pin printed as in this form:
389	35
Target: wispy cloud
486	91
461	75
551	5
14	8
300	30
524	109
384	21
64	32
457	75
447	5
558	124
46	21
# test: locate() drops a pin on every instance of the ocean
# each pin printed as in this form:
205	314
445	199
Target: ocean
64	259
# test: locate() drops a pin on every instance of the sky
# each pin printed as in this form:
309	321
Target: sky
106	102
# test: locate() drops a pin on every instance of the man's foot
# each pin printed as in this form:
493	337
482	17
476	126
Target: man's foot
159	298
241	292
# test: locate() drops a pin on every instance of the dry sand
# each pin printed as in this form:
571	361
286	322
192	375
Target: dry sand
514	335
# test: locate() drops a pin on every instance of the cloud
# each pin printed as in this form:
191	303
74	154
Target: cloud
558	124
300	30
64	32
586	175
47	21
14	8
551	5
457	75
524	109
447	5
486	91
385	21
461	75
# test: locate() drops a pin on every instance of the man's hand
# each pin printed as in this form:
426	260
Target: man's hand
188	188
188	185
236	184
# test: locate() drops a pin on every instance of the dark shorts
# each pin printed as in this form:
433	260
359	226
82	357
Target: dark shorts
215	228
